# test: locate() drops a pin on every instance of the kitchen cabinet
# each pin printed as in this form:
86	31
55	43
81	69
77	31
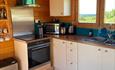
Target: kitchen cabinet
95	58
87	57
59	54
64	55
60	7
71	55
108	59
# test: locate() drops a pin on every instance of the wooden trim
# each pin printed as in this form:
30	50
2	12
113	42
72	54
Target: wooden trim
87	25
99	17
102	11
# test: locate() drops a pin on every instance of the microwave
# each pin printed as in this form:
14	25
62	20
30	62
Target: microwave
51	28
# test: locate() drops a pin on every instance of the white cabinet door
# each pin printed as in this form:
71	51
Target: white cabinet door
71	55
60	7
108	59
59	54
87	57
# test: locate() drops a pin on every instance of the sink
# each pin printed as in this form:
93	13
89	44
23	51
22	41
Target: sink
95	39
100	40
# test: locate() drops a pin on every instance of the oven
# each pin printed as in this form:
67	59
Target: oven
38	52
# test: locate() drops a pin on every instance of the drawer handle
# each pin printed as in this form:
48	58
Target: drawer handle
70	43
71	63
63	42
71	50
99	49
61	13
106	50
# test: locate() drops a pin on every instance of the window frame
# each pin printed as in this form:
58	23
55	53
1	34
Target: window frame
99	16
102	10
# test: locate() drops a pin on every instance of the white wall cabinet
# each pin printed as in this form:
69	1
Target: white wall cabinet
60	7
64	54
95	58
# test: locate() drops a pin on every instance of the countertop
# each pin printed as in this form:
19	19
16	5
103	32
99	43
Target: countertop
75	38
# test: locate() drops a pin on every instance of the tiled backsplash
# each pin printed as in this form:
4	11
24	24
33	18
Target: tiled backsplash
85	32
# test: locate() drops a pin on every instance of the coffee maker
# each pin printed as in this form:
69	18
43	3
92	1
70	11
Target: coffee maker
38	29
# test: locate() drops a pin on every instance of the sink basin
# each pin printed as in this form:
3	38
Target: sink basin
100	40
95	39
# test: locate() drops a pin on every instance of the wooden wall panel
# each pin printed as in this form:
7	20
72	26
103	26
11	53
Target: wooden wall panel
6	49
42	12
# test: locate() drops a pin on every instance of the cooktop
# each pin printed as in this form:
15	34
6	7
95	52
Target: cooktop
30	37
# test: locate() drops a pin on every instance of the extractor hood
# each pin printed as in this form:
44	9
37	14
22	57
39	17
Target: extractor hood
27	3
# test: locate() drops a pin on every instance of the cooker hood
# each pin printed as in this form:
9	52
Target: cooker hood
26	3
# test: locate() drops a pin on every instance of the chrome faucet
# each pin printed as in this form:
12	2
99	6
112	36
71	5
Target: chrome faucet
109	35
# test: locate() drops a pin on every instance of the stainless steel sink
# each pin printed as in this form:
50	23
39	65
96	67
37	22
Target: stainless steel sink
100	40
95	39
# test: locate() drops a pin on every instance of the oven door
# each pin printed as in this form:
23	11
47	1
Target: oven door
38	54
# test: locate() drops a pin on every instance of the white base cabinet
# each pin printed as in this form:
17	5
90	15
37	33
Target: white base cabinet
69	55
95	58
108	59
64	55
87	57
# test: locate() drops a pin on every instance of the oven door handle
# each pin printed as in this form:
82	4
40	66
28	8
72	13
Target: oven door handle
36	47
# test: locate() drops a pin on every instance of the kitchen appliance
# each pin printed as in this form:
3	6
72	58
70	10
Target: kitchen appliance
51	28
71	29
8	64
38	28
38	49
38	52
63	30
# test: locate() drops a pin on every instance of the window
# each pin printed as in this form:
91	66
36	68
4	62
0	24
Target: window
87	11
109	14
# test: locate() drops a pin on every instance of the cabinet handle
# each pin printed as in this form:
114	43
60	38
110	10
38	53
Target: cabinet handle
106	50
99	49
63	42
61	13
71	63
71	50
70	43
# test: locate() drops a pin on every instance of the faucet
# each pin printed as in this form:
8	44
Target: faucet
109	35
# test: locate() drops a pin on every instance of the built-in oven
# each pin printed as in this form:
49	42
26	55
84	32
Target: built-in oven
38	52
